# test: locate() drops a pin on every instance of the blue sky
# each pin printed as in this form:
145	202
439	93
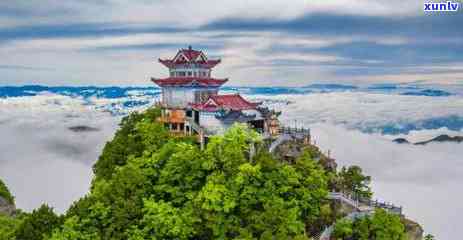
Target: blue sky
261	43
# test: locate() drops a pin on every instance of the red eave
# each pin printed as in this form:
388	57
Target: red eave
189	81
234	102
167	63
203	107
211	63
208	64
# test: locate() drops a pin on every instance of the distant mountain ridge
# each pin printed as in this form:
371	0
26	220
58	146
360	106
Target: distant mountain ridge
429	93
84	91
441	138
332	86
120	91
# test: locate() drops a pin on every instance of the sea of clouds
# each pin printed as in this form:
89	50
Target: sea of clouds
42	160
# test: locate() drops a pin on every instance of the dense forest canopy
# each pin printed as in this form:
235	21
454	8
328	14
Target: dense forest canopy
149	184
379	226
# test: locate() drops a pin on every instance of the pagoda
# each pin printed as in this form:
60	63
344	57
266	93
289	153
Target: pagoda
191	103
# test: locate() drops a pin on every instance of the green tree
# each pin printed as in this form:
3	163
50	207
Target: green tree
387	226
130	140
8	226
38	225
380	226
343	229
429	237
72	229
262	198
165	187
162	220
354	181
362	228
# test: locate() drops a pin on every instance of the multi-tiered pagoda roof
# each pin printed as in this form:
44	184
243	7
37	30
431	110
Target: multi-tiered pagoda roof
190	56
185	60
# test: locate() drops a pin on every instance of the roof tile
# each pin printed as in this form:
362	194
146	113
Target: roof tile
233	102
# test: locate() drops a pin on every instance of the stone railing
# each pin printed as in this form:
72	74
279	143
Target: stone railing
384	205
344	198
294	130
364	204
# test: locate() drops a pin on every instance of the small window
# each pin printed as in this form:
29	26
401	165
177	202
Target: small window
196	117
189	74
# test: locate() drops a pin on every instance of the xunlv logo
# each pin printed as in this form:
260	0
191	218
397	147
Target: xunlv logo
441	7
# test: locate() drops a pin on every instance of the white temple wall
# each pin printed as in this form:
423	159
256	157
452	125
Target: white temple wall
190	72
178	97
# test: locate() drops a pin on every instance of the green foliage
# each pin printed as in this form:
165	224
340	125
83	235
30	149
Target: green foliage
150	185
38	225
227	152
362	228
221	194
5	193
162	220
8	226
130	140
72	230
429	237
387	226
381	226
352	180
343	229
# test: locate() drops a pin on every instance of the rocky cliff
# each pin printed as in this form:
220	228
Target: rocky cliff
6	207
6	200
291	148
413	229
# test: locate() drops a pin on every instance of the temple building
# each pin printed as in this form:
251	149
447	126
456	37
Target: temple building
191	103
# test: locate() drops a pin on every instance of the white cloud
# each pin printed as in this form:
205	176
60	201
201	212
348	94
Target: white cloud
194	13
362	110
41	160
